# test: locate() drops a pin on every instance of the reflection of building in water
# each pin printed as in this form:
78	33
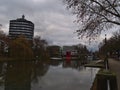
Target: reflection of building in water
73	64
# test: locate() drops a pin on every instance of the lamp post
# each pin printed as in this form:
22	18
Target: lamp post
106	56
105	39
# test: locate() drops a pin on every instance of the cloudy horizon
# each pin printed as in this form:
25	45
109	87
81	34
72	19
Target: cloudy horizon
53	22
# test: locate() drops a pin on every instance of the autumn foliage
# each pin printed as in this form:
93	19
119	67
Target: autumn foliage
20	48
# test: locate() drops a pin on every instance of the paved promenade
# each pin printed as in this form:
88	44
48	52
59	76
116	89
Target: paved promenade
115	67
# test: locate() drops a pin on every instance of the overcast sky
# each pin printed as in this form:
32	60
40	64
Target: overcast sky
52	20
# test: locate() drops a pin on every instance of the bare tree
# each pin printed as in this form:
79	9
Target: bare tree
3	36
94	15
39	47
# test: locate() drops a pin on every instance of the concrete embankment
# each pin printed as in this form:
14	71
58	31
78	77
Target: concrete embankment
115	67
105	78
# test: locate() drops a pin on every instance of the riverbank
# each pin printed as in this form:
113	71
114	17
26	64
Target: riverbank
100	82
115	67
96	64
5	59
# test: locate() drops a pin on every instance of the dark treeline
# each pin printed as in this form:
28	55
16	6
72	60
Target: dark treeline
54	51
21	48
112	46
83	52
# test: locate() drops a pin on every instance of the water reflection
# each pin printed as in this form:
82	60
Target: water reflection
55	63
18	76
2	71
38	75
76	64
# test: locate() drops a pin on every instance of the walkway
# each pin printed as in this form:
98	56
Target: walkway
115	67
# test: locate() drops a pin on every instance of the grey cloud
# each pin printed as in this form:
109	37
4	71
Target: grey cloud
52	21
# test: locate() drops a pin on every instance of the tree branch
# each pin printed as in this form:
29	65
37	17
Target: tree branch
117	15
113	7
114	22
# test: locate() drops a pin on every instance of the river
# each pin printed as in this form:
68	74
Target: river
42	75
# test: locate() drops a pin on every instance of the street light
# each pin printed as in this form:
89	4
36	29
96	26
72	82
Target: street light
106	56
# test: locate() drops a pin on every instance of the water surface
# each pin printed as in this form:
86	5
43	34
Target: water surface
39	75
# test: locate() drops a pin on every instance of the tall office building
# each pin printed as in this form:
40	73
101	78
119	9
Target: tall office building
21	26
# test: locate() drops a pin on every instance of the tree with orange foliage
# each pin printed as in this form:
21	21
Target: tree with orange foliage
20	49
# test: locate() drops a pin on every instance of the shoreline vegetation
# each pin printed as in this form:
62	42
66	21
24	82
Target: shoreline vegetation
20	48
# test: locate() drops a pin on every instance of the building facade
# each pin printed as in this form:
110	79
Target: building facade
71	50
21	26
54	51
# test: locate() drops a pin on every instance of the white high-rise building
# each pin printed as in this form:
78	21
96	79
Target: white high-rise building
21	26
